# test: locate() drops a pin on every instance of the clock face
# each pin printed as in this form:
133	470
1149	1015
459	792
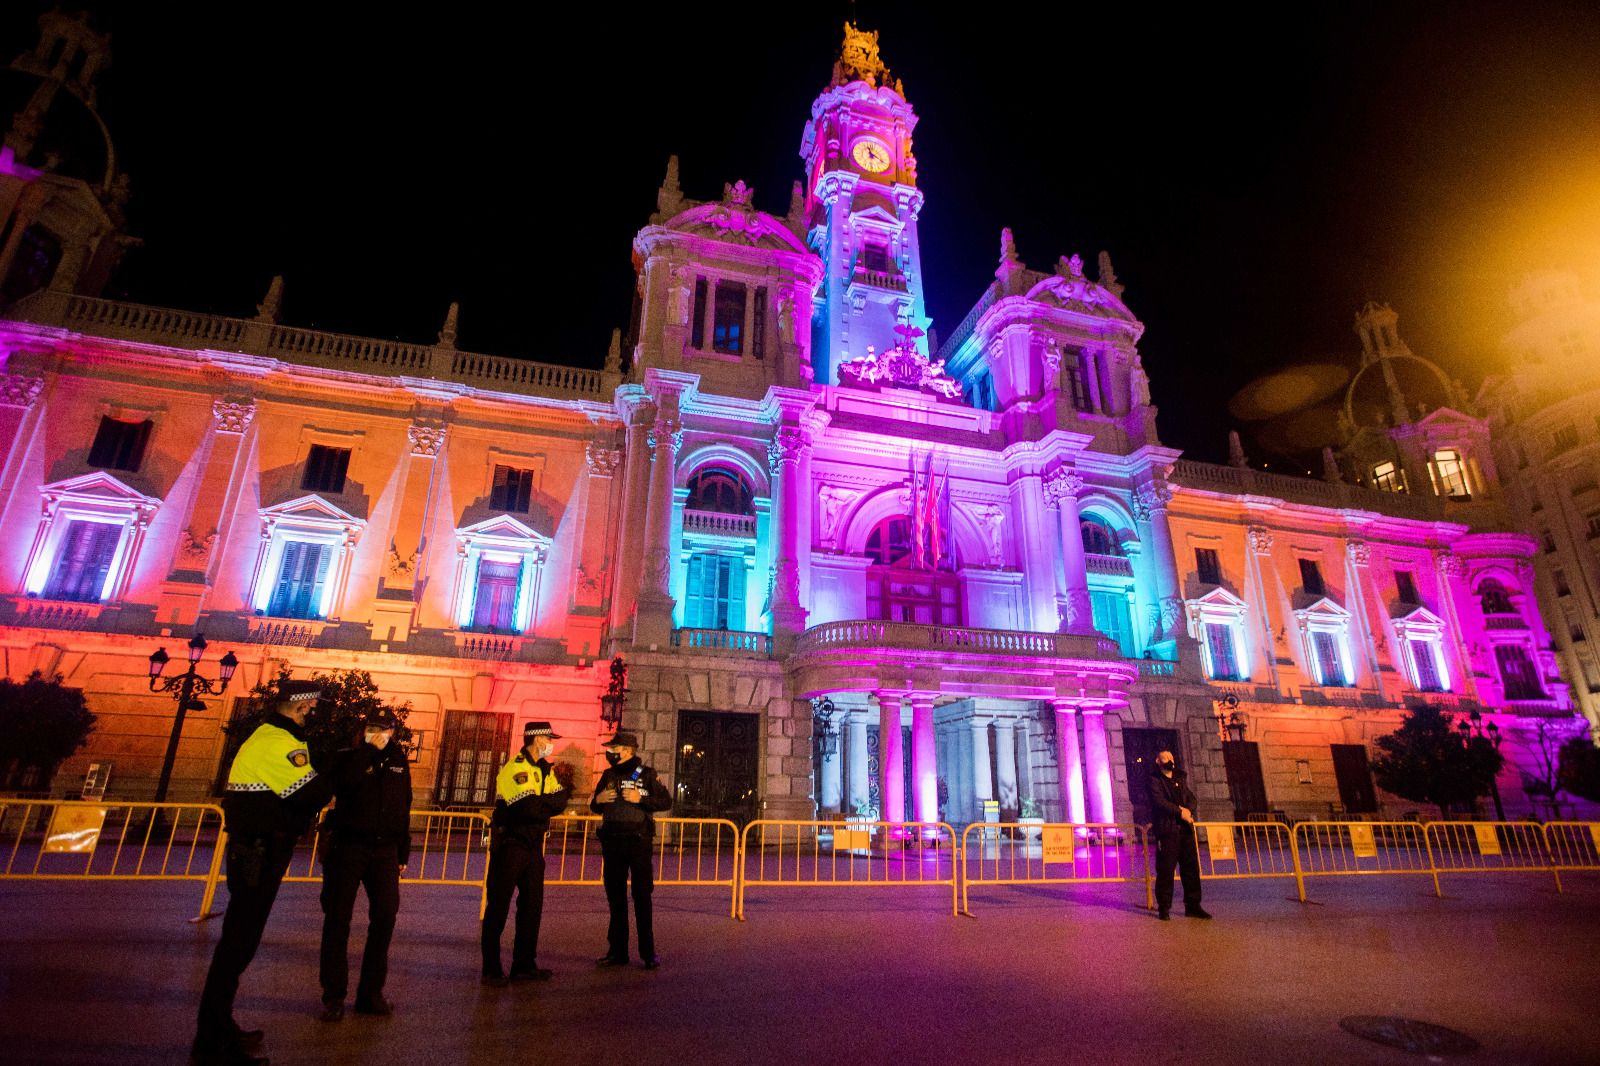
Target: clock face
870	156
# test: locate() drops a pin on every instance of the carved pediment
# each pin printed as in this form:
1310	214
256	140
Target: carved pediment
736	220
312	509
504	528
1073	292
97	487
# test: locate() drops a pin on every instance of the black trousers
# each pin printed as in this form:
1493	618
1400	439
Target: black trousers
624	855
514	866
255	870
347	867
1180	850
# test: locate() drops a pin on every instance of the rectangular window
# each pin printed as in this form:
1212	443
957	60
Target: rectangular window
1451	474
1559	578
1406	586
301	579
714	592
697	326
1594	524
875	258
1549	542
1576	634
472	748
513	489
1311	578
494	608
1077	389
727	326
85	558
1207	566
1219	643
325	469
119	445
1427	666
1110	613
1389	477
1329	664
758	324
1517	673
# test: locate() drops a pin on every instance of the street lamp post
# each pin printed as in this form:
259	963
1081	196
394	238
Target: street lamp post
615	700
183	688
1473	728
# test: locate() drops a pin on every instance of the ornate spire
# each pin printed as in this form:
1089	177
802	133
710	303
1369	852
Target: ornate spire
738	193
447	335
1108	276
614	353
272	303
1010	264
859	59
1236	455
669	198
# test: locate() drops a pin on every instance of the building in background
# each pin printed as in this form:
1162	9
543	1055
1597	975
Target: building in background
848	570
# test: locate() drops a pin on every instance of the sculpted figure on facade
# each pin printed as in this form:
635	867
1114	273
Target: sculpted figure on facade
1260	538
426	438
19	390
233	416
835	501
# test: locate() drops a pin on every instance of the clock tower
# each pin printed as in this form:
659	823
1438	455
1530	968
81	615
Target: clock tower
861	205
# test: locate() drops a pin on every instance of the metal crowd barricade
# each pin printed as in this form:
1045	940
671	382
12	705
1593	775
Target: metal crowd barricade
1056	853
447	848
1231	850
687	852
1572	846
67	840
1490	847
1336	849
811	854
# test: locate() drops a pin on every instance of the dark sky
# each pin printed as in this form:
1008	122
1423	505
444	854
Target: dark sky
1256	176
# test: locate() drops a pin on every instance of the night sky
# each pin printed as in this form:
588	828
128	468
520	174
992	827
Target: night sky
1256	177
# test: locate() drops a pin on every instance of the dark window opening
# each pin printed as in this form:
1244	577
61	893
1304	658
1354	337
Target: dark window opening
1311	578
1208	566
1406	586
1098	539
119	445
325	469
727	327
720	490
758	324
1494	598
697	328
34	266
513	490
1518	673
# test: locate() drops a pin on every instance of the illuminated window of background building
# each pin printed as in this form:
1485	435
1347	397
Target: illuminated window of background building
1111	617
302	580
1328	652
494	607
1450	474
1217	621
119	445
305	558
1221	656
1327	641
1389	477
714	591
1518	673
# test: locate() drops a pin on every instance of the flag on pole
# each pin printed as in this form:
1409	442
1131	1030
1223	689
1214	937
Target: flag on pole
917	535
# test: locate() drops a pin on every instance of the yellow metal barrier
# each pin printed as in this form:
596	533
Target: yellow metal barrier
1245	849
688	852
1572	846
801	854
72	841
1490	847
1056	853
447	848
1327	849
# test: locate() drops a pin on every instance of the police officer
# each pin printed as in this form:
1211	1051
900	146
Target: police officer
1176	845
527	796
367	841
627	797
273	793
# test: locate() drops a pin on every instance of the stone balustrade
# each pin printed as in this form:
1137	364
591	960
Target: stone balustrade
1243	481
909	636
715	523
722	640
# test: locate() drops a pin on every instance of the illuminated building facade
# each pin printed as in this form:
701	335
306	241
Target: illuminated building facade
847	573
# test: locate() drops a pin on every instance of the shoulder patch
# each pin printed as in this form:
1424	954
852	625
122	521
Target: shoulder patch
521	779
298	757
519	758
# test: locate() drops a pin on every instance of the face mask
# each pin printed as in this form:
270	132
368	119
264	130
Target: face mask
545	750
613	758
1167	766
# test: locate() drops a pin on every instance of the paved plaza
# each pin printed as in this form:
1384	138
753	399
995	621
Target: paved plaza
110	973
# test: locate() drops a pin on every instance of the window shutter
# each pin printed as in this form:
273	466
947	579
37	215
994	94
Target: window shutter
286	571
1427	668
691	606
736	583
102	546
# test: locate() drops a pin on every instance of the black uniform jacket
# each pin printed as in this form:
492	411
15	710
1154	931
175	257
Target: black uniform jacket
1167	794
262	814
372	790
626	817
526	821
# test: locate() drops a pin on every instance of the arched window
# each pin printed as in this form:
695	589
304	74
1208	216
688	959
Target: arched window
890	543
1494	598
1098	537
719	490
900	590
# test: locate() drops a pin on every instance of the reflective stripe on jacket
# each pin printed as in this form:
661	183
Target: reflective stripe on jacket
519	779
271	760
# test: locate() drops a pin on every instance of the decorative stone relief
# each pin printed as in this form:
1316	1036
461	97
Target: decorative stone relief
399	566
835	500
1260	539
991	519
1360	552
19	390
194	549
426	438
603	461
1062	484
232	416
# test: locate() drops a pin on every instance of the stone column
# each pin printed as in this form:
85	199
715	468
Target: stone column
891	760
1152	500
630	526
1061	492
1071	762
1024	761
784	458
1097	757
1037	560
1005	759
860	788
653	620
924	759
982	780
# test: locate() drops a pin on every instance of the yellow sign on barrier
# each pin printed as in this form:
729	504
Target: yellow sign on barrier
1219	841
1362	842
852	839
75	830
1488	839
1594	834
1058	843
